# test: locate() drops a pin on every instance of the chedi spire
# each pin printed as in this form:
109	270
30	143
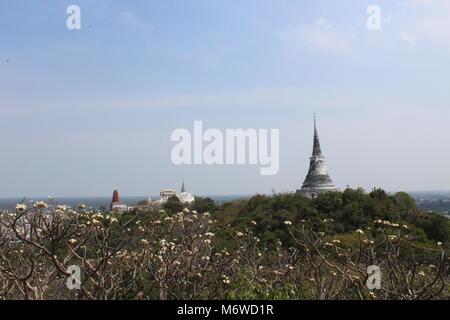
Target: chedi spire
316	143
317	180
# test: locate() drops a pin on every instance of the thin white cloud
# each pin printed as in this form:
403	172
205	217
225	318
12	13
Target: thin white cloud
438	4
432	23
285	97
320	35
241	98
408	38
129	18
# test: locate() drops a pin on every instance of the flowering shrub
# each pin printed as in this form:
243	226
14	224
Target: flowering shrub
189	255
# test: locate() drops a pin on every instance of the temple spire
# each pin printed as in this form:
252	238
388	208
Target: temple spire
316	144
317	180
182	187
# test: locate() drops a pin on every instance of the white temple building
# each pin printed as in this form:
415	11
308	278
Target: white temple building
166	195
317	180
185	197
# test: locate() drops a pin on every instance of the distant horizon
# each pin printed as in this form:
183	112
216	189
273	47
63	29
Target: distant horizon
204	195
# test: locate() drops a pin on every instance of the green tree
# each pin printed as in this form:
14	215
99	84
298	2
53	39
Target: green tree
173	205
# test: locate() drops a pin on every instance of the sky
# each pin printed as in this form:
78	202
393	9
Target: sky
83	112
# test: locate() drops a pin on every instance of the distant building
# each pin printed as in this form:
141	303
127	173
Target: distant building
166	195
317	180
116	204
185	197
142	205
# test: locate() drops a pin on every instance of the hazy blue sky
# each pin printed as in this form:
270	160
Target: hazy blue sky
85	111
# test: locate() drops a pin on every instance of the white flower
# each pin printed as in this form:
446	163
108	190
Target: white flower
239	234
360	232
253	222
176	263
73	241
368	242
209	234
336	241
288	223
81	206
144	242
21	207
439	244
41	204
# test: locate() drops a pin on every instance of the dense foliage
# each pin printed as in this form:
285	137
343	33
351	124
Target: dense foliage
280	247
350	210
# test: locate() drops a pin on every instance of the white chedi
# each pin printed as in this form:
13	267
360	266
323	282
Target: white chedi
183	195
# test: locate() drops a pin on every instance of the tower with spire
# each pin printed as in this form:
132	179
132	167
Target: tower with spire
317	180
185	196
116	204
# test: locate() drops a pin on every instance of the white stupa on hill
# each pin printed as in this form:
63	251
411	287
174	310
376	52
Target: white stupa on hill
184	196
317	180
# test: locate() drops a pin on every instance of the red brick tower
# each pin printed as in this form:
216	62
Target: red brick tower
115	198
